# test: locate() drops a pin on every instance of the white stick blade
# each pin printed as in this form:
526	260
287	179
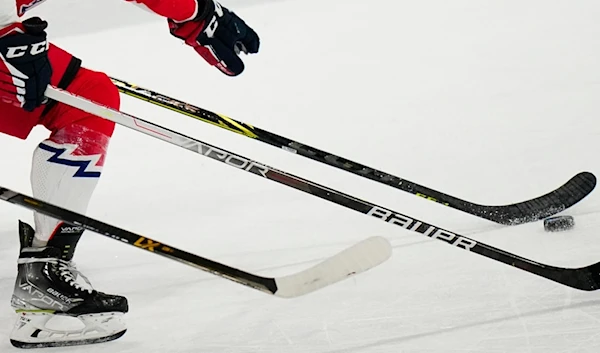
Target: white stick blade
359	258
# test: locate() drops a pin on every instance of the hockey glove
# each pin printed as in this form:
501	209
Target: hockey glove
25	70
219	36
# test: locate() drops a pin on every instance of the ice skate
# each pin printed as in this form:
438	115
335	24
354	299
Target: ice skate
54	308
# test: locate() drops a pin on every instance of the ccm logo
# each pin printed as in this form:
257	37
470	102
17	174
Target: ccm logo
33	49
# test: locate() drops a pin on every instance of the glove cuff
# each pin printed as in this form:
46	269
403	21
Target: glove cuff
35	26
207	10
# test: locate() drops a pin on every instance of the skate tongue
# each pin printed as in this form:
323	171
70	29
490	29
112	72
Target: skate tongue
65	238
26	234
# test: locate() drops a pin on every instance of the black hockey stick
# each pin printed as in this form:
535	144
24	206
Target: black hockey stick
358	258
535	209
586	278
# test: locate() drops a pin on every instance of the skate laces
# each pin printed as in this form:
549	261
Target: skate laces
69	273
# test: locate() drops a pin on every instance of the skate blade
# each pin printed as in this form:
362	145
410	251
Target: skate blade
29	345
31	331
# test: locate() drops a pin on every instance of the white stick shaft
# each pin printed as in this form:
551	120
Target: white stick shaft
119	117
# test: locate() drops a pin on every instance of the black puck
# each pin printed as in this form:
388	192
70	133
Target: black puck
559	223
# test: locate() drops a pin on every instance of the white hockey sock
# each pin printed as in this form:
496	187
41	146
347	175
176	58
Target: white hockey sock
65	172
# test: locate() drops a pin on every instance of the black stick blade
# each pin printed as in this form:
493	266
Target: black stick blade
541	207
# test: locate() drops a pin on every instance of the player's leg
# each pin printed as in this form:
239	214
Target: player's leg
67	166
65	171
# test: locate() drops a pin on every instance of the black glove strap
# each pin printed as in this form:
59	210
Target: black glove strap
65	81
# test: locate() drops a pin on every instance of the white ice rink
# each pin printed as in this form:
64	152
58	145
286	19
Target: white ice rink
492	101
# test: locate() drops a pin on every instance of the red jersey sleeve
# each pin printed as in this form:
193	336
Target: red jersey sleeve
177	10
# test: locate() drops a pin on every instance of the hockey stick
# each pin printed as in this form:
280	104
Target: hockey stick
358	258
535	209
587	278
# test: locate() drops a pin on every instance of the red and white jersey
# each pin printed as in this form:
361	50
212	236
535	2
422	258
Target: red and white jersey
178	10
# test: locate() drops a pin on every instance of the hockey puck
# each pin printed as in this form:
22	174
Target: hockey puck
558	223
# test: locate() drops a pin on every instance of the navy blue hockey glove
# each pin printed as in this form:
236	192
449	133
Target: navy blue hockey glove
25	69
219	36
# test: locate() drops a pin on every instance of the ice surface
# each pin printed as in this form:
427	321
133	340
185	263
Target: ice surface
492	101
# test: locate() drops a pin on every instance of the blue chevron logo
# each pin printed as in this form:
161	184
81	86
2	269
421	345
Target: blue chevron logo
26	7
81	165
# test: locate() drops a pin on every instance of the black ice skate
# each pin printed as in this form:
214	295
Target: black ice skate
47	288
